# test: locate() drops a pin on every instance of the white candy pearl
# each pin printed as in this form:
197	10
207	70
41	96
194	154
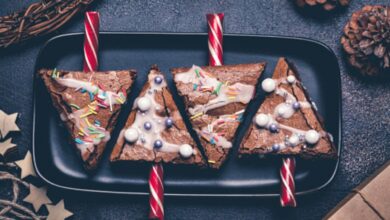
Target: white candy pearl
268	85
293	140
312	137
291	79
144	104
261	120
185	150
131	135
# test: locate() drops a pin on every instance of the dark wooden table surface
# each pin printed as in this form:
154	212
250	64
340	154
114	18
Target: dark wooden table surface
366	104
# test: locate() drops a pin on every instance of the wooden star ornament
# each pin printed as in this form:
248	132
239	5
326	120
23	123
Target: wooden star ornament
37	197
58	212
6	145
7	123
26	166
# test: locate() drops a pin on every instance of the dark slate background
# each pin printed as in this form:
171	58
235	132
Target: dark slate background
366	115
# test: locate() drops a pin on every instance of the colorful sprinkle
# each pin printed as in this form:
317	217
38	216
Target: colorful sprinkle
197	72
75	106
97	122
79	141
212	161
83	90
216	91
54	74
120	100
86	114
86	121
196	115
91	96
195	86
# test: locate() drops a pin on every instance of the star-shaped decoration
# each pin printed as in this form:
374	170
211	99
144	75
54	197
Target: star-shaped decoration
26	166
7	123
37	197
5	145
58	212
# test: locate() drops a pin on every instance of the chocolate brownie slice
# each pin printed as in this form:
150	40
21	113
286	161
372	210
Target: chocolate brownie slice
215	99
155	130
287	122
89	104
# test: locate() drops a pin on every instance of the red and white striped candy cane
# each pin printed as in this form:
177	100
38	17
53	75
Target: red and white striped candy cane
156	197
91	41
287	191
215	39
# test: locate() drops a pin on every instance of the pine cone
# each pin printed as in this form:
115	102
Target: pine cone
366	40
327	5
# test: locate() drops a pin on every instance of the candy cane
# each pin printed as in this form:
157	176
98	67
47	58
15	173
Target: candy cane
91	41
287	191
215	39
156	197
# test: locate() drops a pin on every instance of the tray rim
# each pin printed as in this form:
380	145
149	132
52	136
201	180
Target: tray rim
112	192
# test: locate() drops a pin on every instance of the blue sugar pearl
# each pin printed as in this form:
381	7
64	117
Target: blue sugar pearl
147	125
168	122
158	144
275	147
273	128
296	105
158	79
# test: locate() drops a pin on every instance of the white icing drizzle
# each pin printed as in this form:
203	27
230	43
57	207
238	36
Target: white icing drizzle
148	137
90	132
286	110
110	97
226	94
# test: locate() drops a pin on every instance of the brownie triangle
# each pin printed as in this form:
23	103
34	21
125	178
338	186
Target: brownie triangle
155	130
287	122
89	104
216	99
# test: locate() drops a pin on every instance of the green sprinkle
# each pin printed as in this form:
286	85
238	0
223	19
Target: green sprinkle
54	74
75	106
216	91
197	72
102	135
91	128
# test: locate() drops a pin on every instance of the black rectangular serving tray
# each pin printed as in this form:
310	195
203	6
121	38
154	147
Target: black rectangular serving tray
57	163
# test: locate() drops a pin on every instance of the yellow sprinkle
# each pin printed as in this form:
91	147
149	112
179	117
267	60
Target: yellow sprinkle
232	97
119	100
86	114
86	120
82	130
81	133
196	115
227	83
211	161
92	111
231	93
